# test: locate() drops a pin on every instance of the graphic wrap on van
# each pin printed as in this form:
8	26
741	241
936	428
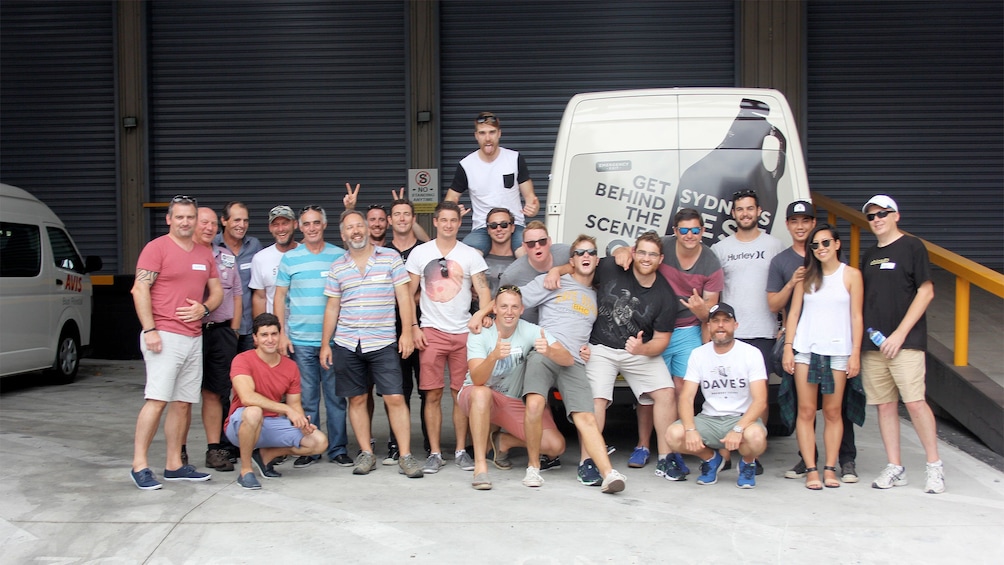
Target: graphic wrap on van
673	151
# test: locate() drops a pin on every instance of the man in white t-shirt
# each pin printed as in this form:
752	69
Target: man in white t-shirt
265	264
444	271
495	177
732	377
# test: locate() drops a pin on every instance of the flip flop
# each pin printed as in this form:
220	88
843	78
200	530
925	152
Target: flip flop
830	482
812	484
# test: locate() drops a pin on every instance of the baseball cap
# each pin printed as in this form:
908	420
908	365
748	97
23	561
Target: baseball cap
723	308
880	200
801	208
281	212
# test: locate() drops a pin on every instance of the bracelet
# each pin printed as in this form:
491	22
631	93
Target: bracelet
787	343
149	330
690	430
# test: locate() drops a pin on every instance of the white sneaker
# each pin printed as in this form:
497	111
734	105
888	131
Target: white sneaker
614	482
935	483
891	476
533	478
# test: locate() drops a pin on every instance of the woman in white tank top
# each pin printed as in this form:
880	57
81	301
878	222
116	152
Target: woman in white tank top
823	334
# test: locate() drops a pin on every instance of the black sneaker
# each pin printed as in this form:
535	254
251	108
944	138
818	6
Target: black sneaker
393	455
343	460
303	461
759	467
265	470
547	464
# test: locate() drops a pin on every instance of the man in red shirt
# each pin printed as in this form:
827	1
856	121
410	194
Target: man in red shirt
260	422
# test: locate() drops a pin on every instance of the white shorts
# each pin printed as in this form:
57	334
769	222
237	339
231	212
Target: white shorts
837	362
176	372
643	374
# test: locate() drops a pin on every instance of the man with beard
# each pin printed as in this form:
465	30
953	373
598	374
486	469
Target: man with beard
363	288
265	265
172	276
731	375
243	247
445	271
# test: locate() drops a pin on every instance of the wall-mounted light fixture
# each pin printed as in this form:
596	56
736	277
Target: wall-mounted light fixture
129	122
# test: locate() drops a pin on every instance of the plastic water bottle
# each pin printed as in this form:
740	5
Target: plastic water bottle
876	336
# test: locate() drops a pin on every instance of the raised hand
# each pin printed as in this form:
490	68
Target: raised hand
351	196
540	344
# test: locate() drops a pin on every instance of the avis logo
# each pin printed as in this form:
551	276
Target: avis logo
74	283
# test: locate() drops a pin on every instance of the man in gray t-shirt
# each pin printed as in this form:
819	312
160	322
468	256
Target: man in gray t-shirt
540	256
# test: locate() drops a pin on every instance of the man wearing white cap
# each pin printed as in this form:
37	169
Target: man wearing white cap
898	289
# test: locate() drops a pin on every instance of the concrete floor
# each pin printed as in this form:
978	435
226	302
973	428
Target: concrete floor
67	498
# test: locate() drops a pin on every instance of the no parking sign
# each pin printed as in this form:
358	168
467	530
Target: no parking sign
423	189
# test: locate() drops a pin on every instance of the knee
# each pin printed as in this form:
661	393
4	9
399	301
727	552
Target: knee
806	411
674	436
535	404
583	419
481	398
316	442
832	413
756	438
252	415
553	443
434	396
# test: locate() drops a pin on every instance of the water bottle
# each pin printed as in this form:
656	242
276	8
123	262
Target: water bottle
876	336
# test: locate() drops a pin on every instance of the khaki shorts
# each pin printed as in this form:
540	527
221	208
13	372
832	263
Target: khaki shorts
176	372
888	380
643	374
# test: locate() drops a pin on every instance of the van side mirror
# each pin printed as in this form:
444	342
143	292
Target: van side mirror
92	263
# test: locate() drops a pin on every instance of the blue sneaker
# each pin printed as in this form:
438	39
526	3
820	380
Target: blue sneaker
589	475
680	464
186	473
669	470
639	458
249	481
710	468
747	474
145	480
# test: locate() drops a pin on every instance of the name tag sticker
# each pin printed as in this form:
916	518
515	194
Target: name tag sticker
198	267
324	274
888	266
228	260
245	266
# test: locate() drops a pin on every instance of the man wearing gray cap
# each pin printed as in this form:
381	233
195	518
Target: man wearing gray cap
265	264
898	289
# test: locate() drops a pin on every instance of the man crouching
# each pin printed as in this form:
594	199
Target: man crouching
259	422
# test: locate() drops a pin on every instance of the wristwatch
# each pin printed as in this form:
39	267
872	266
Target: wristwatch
206	313
738	429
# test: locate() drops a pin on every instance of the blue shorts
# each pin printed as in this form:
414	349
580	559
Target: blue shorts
479	239
357	372
276	431
677	353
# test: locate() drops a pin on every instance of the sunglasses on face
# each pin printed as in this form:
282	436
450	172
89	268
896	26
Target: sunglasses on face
503	225
581	252
825	243
685	231
536	243
880	214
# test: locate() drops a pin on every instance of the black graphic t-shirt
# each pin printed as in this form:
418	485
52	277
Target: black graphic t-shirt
626	307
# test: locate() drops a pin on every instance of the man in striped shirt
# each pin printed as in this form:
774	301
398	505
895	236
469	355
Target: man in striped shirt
363	288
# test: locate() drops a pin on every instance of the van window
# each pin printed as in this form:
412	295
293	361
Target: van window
63	253
20	250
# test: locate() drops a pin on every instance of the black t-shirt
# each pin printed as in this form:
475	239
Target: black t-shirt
892	275
404	258
626	307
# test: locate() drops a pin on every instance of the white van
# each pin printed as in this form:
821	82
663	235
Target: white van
45	292
626	161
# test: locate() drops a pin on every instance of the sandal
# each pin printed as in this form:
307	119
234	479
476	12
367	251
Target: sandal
830	482
812	484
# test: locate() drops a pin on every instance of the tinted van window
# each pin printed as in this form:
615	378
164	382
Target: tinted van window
20	250
63	253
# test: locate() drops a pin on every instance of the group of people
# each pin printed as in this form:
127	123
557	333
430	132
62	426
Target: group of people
261	335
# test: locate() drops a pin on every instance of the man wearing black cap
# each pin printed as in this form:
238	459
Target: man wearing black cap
732	377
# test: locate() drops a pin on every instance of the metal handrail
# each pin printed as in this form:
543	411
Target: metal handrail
966	271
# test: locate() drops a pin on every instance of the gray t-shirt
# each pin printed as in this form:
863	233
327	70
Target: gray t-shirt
522	272
567	312
782	267
497	264
746	265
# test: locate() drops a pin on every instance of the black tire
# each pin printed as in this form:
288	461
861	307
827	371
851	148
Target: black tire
67	362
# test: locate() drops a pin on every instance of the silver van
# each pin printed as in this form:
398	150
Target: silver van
45	291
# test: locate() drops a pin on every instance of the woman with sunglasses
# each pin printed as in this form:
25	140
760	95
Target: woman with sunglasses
823	347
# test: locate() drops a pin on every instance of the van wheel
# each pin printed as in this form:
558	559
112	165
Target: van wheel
64	369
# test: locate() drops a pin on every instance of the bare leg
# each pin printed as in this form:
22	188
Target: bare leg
926	426
480	422
592	441
359	416
146	428
888	419
179	414
664	411
805	424
645	415
434	417
834	423
533	427
459	423
400	421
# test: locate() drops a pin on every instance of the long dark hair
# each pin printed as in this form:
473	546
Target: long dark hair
813	267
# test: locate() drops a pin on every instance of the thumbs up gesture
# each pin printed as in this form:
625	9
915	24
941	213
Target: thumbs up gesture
502	348
633	345
540	344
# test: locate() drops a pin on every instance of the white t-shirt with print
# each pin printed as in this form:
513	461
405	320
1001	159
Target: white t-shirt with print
725	378
445	297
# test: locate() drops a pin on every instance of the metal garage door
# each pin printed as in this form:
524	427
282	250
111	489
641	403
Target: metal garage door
907	98
276	102
57	60
525	60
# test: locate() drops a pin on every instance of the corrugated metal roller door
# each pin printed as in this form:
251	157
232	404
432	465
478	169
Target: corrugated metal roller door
58	115
908	99
276	102
524	60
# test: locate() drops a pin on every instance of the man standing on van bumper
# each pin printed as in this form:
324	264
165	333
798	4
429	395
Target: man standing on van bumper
172	275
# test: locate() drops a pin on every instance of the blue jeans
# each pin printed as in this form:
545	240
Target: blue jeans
313	381
478	239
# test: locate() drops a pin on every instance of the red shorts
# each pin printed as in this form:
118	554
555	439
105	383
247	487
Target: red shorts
506	412
442	348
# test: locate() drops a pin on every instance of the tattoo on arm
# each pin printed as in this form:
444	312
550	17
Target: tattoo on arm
480	282
146	277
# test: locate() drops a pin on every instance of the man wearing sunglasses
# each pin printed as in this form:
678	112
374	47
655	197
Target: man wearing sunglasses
898	289
501	226
541	256
494	176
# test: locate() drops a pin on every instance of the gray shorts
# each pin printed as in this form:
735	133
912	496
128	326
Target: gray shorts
714	428
542	374
276	431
